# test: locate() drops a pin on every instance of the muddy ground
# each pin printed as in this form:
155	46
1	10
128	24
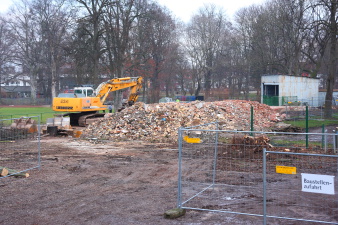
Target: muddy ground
104	183
82	182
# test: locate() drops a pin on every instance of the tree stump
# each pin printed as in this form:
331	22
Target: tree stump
3	172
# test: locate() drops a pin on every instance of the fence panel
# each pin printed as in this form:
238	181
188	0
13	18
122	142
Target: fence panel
212	170
223	171
43	116
25	101
301	186
17	136
314	113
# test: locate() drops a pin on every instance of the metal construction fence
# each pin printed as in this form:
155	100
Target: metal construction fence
43	116
307	113
296	101
272	177
25	101
20	145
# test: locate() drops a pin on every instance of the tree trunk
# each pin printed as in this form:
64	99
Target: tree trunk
198	89
155	90
53	69
207	84
333	61
33	84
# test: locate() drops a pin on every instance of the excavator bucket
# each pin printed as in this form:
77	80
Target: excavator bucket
27	124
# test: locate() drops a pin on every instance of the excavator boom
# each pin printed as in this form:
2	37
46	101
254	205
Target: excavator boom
135	83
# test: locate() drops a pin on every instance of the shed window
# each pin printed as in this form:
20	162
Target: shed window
271	90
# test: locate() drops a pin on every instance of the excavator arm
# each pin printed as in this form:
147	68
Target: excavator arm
135	83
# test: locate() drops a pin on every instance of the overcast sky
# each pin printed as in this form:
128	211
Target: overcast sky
4	4
183	9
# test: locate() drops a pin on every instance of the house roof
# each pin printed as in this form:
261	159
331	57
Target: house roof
16	89
267	75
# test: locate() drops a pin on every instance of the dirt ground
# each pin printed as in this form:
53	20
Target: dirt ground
82	182
101	183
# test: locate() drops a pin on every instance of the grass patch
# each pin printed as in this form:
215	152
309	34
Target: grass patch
16	112
295	143
298	143
312	123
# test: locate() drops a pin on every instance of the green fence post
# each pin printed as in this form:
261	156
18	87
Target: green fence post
252	121
323	131
307	126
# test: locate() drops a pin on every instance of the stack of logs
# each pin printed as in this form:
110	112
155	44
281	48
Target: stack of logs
160	122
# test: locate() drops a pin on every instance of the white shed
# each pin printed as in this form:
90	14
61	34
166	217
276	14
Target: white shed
281	89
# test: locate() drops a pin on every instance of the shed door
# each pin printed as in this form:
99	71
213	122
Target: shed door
271	95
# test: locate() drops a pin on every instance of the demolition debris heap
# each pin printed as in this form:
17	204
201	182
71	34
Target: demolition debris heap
160	122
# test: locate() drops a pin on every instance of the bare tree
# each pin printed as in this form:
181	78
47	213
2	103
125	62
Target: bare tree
331	28
39	29
157	48
239	53
171	68
6	52
270	39
119	21
161	40
54	20
28	53
285	22
184	76
80	51
92	27
205	32
292	29
320	48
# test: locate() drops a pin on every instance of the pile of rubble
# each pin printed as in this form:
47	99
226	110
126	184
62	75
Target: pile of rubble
160	122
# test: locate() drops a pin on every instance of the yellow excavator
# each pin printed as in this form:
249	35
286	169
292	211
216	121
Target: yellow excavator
85	104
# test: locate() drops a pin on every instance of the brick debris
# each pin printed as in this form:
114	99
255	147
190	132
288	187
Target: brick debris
160	122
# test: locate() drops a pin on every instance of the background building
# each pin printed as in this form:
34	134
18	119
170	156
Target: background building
279	90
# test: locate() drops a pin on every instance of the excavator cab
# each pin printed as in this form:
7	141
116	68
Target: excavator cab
86	91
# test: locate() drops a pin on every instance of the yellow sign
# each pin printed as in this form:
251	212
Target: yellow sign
286	169
192	140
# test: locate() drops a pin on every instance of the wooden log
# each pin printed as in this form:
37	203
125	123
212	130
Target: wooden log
15	173
3	172
23	175
174	213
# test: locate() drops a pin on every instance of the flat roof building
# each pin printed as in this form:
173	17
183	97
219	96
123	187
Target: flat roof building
277	90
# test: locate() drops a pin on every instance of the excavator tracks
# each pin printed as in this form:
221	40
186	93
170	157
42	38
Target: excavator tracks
89	118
